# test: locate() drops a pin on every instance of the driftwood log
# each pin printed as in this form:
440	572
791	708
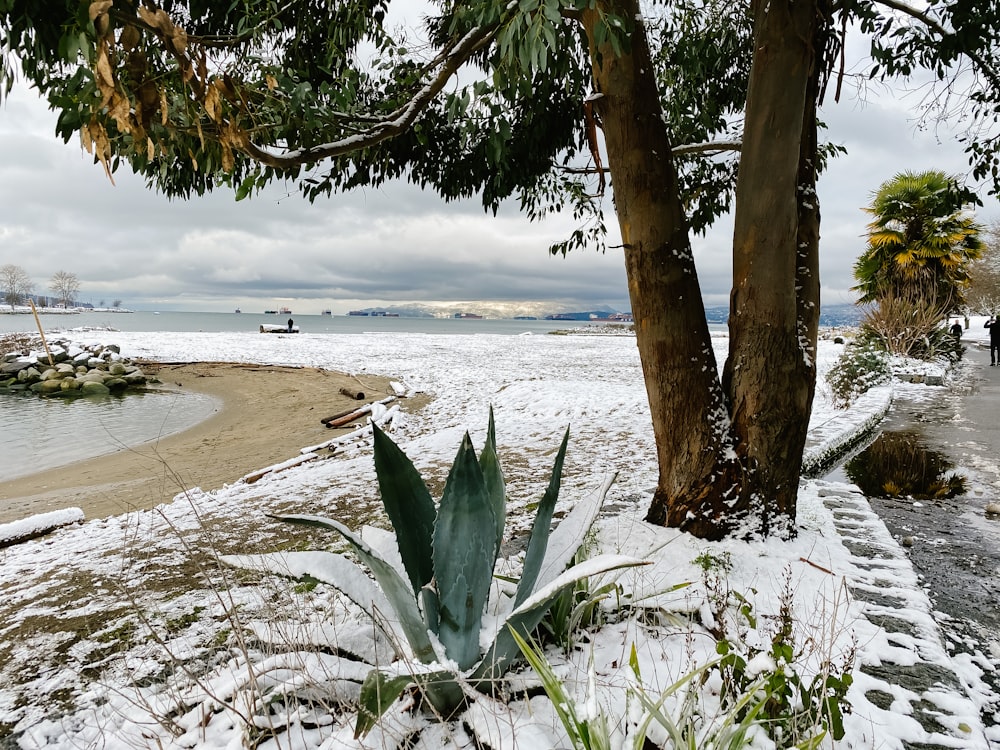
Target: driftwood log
352	393
338	415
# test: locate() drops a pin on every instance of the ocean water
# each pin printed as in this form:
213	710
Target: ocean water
307	324
38	434
42	433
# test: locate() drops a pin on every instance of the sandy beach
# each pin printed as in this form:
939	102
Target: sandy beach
267	413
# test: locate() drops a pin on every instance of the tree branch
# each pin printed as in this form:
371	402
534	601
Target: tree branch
446	63
934	25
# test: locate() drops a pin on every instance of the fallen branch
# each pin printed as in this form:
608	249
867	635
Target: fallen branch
357	413
276	468
356	434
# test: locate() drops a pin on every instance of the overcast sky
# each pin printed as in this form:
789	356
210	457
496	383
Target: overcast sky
58	211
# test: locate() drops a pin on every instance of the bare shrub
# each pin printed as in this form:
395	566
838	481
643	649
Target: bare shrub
910	325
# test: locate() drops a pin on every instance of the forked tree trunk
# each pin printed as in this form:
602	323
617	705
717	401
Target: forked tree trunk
699	476
717	472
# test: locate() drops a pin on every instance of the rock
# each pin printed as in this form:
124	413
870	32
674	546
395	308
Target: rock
70	384
907	541
13	367
47	387
135	378
116	385
90	388
993	509
117	369
29	375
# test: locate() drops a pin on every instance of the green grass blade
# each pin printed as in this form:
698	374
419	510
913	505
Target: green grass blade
464	552
409	507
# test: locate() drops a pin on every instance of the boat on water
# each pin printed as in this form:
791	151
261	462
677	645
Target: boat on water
284	311
238	310
327	312
468	316
270	312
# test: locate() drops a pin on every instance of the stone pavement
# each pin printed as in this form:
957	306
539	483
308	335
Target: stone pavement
943	673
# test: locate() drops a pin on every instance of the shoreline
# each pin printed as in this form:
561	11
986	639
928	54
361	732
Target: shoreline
267	413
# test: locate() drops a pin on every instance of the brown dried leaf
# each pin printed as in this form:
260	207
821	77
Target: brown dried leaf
99	8
164	110
194	161
180	40
228	161
86	139
148	16
121	110
213	106
129	38
272	84
150	149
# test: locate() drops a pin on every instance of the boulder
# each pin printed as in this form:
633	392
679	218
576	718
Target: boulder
47	387
116	385
90	388
135	378
70	384
117	369
14	366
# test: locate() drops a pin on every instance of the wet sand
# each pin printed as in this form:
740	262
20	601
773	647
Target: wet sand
266	415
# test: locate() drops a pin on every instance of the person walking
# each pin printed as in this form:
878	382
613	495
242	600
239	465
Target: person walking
956	330
291	324
994	325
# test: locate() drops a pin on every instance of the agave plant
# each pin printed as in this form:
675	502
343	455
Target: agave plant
438	595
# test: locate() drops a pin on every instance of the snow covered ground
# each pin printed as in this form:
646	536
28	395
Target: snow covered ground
124	633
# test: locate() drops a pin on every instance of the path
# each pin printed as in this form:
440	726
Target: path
952	545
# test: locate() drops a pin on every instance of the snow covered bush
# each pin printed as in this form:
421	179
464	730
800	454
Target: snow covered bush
435	591
863	365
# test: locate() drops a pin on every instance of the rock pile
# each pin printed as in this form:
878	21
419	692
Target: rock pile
78	371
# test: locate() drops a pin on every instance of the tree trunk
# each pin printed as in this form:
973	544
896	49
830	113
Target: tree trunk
729	451
774	306
699	476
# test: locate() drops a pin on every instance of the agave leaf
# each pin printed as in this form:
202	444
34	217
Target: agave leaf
378	692
540	528
328	567
526	617
570	533
464	552
489	462
396	590
409	507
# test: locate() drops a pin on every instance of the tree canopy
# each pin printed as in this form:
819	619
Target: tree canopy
541	101
921	241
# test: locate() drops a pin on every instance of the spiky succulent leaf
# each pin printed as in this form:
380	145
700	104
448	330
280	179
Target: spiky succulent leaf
330	568
397	590
489	462
571	532
526	617
539	539
409	507
378	692
465	548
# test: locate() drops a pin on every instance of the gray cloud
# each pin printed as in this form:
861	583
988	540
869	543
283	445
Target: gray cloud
392	245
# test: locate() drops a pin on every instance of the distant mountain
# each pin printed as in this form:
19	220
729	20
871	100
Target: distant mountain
829	315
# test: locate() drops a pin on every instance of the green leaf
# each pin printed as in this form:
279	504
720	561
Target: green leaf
541	528
409	507
525	618
465	542
489	462
378	692
395	588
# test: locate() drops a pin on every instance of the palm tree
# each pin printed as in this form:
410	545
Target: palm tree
920	242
